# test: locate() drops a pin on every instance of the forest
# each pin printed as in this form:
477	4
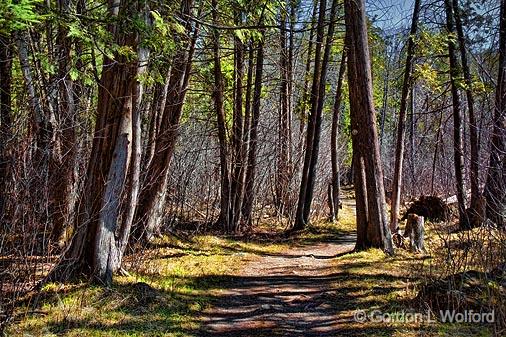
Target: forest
252	168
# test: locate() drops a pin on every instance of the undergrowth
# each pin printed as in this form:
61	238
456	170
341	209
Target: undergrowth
171	283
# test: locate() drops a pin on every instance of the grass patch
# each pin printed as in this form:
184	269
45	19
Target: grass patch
173	281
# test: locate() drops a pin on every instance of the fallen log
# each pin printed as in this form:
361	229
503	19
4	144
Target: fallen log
430	207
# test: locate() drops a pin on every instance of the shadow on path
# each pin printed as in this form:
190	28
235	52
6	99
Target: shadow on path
297	293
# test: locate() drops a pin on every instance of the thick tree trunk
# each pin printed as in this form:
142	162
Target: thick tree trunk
334	133
495	187
401	126
364	133
458	146
100	233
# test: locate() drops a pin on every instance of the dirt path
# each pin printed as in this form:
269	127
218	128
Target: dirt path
285	294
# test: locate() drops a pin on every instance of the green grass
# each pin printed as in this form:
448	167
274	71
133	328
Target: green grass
173	281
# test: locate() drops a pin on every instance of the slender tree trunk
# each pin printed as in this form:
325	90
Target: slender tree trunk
218	97
43	129
283	144
399	150
237	181
300	221
495	186
364	133
5	120
301	107
359	182
384	107
473	127
132	185
249	196
62	168
318	117
335	184
458	146
153	193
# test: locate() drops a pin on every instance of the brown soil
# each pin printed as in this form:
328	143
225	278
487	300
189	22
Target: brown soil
290	293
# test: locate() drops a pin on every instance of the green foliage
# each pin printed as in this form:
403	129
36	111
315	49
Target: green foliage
429	43
429	77
18	15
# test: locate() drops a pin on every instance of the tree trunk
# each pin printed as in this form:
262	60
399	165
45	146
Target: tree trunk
218	98
63	167
365	134
283	145
96	248
153	193
495	187
318	114
300	110
458	146
384	107
41	124
249	196
473	128
237	180
5	120
300	220
399	149
335	184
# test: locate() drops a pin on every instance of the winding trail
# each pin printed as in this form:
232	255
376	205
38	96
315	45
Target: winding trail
292	293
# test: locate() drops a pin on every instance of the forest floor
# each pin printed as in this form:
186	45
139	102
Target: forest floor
291	293
264	284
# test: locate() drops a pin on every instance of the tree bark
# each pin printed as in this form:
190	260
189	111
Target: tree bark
318	114
401	128
473	127
237	180
218	98
458	146
301	108
249	196
63	166
96	248
153	193
284	132
334	133
365	134
300	220
495	186
5	120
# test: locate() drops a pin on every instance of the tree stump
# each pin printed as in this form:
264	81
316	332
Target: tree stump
415	231
477	216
